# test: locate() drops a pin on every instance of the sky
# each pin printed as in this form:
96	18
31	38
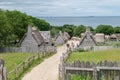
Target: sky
48	8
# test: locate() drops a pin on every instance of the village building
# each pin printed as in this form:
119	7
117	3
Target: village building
61	38
118	36
99	38
88	39
36	41
113	38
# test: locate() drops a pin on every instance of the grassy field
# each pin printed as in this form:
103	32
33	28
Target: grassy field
12	58
110	55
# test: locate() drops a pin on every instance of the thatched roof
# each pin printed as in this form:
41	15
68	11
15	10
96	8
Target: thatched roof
38	37
46	35
88	33
35	34
65	36
99	37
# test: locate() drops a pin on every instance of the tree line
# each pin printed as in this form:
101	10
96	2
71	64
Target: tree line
13	25
77	30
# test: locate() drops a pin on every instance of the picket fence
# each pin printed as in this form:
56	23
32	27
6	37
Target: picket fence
3	74
103	70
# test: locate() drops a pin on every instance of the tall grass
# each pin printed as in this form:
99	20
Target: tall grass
109	55
12	58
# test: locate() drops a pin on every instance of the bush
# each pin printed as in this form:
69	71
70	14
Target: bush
80	50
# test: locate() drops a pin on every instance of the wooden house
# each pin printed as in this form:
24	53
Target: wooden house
88	39
31	40
35	41
61	38
113	38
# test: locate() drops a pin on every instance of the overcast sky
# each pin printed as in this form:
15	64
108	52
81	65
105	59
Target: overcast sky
64	7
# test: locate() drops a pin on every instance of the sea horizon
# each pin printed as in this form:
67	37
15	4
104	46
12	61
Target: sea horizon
92	21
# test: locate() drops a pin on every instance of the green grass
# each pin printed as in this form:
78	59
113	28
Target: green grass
80	77
109	55
12	58
16	58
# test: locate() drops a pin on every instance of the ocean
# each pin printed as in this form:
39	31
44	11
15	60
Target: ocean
87	21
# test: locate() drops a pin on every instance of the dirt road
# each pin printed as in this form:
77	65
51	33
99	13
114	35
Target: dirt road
47	70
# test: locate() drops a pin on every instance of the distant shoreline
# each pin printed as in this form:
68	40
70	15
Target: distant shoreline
92	21
72	16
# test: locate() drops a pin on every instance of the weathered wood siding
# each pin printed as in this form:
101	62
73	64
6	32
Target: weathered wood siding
29	44
59	40
88	41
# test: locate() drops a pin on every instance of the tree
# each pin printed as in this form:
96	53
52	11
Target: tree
19	21
79	29
6	35
106	29
117	29
41	24
69	29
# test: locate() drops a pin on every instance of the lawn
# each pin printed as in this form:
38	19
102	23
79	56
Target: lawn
12	58
110	55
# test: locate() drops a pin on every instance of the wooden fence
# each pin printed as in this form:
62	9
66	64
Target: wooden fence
24	65
3	75
88	71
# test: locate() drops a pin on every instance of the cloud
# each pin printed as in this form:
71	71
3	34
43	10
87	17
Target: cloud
64	7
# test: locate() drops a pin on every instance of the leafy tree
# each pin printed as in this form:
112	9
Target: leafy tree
106	29
79	29
6	35
68	28
41	24
19	21
54	30
117	29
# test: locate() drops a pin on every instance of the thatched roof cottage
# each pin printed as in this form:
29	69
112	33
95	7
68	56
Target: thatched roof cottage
62	38
35	41
88	39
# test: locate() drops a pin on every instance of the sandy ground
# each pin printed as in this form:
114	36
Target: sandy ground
48	70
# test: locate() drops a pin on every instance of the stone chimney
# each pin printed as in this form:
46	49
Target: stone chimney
88	30
29	32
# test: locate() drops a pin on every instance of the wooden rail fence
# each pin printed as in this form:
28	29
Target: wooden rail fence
22	66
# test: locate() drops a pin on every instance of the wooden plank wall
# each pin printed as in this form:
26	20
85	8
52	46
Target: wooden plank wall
103	70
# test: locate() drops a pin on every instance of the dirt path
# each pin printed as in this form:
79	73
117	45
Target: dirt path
47	70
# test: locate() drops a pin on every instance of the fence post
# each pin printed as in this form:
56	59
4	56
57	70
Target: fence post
95	73
28	61
23	65
4	73
68	76
38	55
16	71
1	70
